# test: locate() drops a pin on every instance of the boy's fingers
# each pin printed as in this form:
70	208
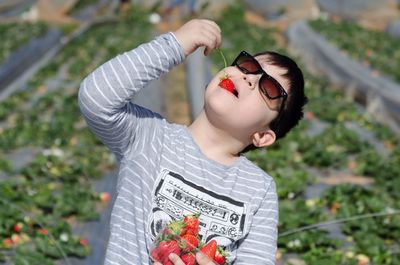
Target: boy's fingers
216	32
157	263
210	42
210	30
203	259
175	259
197	33
213	25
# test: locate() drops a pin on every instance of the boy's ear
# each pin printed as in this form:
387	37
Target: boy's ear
263	138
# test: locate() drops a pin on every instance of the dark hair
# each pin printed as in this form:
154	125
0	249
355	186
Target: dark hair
292	111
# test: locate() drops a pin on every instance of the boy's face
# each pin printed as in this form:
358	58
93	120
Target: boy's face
248	112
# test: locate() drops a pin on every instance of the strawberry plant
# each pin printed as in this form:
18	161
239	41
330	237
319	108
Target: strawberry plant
81	4
373	48
15	35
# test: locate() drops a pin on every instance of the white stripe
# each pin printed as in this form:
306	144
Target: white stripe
147	174
262	235
95	102
143	64
126	71
100	92
262	252
161	49
130	202
176	47
260	243
246	257
152	64
137	186
273	202
126	252
110	261
136	197
117	206
136	70
116	75
109	85
130	224
104	131
270	210
267	227
159	58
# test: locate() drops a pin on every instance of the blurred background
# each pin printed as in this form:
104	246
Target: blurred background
337	173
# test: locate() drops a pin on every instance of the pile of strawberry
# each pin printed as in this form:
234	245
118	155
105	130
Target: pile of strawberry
182	238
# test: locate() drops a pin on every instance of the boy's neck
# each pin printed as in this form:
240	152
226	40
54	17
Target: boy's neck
215	143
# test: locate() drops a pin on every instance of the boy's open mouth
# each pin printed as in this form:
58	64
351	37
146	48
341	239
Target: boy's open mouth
235	93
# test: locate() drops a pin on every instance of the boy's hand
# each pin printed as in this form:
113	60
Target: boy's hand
200	258
197	33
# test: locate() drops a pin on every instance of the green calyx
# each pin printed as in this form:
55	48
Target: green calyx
177	226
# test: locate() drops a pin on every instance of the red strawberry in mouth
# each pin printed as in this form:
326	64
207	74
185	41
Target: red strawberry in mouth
227	84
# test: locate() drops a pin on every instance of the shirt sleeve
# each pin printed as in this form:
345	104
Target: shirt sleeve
260	245
105	95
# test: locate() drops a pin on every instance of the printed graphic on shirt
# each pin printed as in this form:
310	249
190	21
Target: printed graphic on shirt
222	218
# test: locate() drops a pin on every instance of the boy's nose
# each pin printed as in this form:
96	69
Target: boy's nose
250	81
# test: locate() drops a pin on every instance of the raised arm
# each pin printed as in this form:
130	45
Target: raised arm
105	95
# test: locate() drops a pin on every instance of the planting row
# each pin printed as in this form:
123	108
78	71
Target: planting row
375	49
337	141
15	35
42	201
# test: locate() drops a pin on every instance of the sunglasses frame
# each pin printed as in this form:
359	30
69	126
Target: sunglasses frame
260	70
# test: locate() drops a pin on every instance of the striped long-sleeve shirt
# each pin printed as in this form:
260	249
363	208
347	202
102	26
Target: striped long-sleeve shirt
163	174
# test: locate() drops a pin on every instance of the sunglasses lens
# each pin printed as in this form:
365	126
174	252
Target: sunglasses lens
270	88
248	64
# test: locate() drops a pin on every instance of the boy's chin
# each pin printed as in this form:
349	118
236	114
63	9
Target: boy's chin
220	106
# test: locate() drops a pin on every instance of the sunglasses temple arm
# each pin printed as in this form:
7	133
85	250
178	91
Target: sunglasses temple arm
280	115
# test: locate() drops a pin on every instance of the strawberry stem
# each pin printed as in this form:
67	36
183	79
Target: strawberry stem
223	57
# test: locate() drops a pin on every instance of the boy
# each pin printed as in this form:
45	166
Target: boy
169	170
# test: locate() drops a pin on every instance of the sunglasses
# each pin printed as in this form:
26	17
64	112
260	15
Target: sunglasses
268	85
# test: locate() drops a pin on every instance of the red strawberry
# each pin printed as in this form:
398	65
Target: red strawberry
227	84
165	248
16	239
189	259
210	249
191	225
155	254
220	256
189	242
43	231
105	197
18	227
8	242
84	242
